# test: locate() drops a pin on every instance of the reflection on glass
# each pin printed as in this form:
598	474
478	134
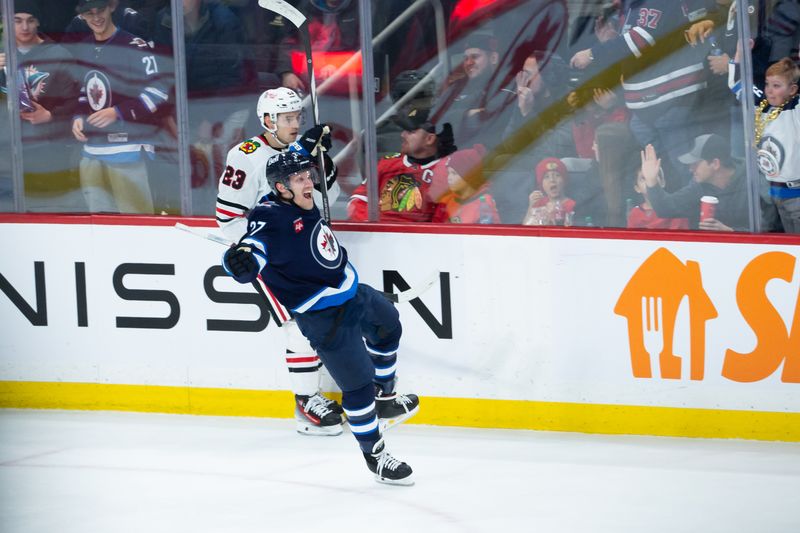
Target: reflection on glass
122	109
47	101
590	84
222	87
242	114
6	178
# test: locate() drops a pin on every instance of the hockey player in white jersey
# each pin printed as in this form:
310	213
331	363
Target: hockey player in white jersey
242	184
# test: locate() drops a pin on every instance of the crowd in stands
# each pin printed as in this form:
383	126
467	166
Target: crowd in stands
627	118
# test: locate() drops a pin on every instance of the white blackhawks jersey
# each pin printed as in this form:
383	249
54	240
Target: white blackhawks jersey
244	182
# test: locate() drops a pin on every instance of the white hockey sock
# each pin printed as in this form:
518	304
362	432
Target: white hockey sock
303	372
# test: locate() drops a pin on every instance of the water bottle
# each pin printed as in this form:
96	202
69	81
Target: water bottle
714	49
485	212
558	214
588	222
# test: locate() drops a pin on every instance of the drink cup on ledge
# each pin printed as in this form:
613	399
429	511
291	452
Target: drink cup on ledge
708	207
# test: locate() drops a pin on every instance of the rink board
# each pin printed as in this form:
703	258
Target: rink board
525	329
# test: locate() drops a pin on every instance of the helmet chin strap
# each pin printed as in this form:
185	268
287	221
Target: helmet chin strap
274	134
290	200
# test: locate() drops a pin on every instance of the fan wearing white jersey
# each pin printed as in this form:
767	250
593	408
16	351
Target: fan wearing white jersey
242	184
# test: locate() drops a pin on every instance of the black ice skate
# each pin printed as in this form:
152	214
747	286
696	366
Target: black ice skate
314	417
386	468
333	405
394	408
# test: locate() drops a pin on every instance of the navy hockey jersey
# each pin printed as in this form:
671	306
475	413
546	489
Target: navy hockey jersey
121	72
657	64
300	260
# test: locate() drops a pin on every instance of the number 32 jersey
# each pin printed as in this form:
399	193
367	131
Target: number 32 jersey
244	183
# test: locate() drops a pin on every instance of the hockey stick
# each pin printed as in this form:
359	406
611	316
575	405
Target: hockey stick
401	297
204	234
413	292
283	8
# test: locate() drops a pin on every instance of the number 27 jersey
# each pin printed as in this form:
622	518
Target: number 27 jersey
244	183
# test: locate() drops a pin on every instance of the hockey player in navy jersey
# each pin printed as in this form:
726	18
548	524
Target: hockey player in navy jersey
300	260
242	184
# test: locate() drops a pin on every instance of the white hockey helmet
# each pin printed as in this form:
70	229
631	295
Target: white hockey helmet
275	101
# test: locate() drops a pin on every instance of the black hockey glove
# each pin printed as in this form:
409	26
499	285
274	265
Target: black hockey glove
312	140
239	262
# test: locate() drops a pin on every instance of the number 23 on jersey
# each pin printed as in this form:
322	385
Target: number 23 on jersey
233	177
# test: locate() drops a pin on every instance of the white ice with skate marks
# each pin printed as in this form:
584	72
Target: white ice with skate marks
93	472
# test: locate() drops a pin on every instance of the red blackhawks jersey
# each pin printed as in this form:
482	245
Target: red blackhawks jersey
405	191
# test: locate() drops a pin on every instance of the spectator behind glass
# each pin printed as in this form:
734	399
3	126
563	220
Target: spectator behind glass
714	174
642	216
125	17
218	72
548	203
595	101
120	109
388	131
662	75
467	100
777	123
407	187
468	200
47	103
538	127
783	29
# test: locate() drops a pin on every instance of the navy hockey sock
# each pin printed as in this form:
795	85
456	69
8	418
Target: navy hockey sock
385	366
359	405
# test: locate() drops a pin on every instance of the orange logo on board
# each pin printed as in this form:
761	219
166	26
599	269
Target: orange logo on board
650	303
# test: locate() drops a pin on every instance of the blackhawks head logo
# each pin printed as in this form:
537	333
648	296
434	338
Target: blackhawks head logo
248	147
401	194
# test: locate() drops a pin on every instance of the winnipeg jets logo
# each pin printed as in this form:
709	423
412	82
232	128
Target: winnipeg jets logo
770	157
98	90
325	247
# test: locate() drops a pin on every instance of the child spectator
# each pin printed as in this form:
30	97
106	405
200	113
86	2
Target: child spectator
643	216
468	201
777	128
548	204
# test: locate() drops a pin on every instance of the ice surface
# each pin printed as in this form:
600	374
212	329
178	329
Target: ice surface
87	472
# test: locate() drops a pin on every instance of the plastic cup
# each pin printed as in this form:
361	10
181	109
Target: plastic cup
708	207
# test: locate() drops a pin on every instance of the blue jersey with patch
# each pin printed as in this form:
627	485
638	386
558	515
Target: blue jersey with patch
300	259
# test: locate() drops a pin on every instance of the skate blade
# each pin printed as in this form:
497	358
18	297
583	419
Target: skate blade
386	424
324	431
405	482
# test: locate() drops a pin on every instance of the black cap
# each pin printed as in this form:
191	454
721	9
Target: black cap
415	119
707	147
85	5
483	40
28	6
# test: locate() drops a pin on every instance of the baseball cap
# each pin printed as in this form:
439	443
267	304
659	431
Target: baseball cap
707	148
483	40
414	119
85	5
